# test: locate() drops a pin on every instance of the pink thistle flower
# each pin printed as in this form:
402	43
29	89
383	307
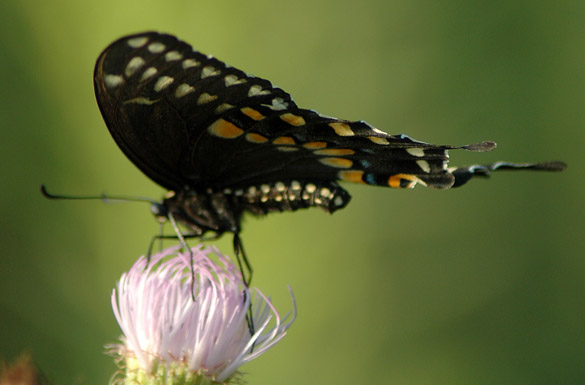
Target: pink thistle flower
167	333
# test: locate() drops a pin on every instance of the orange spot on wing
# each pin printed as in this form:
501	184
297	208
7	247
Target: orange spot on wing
337	162
378	140
342	129
396	180
293	119
354	176
224	129
256	138
252	113
284	140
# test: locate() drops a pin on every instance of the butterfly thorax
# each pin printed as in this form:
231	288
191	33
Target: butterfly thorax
203	211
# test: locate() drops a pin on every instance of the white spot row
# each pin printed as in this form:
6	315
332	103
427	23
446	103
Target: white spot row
279	192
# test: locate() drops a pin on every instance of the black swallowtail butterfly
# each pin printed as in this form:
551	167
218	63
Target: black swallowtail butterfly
225	142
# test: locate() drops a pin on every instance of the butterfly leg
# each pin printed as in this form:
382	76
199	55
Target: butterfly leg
186	246
161	237
241	257
465	174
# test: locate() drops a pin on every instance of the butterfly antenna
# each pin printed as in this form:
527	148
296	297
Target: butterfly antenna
103	197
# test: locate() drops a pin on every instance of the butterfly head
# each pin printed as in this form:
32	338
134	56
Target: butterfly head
159	211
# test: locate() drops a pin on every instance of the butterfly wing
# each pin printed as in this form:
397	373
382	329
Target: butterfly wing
189	120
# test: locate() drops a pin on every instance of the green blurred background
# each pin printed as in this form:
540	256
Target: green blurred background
479	285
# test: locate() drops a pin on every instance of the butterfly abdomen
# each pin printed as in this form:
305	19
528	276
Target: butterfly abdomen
291	196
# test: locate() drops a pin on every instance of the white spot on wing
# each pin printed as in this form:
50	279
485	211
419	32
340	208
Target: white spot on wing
156	47
141	100
223	107
378	140
163	82
416	151
377	131
206	98
133	65
257	90
278	104
173	55
209	71
188	63
137	42
183	90
232	80
424	165
150	72
113	81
